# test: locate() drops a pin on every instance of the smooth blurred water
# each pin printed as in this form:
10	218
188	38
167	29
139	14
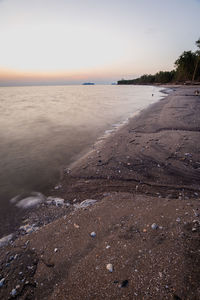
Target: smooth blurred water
44	128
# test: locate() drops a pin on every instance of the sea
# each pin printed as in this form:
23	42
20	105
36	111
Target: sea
43	129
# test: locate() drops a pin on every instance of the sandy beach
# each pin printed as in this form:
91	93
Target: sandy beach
140	236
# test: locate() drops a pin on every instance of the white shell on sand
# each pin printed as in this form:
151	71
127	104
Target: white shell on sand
5	240
85	203
109	267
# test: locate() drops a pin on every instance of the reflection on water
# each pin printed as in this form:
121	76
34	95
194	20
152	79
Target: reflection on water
45	128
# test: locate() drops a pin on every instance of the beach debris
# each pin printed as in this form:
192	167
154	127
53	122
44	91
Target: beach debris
85	203
58	187
109	267
5	240
55	201
56	250
178	220
28	201
123	284
2	282
154	226
108	246
28	228
67	170
93	234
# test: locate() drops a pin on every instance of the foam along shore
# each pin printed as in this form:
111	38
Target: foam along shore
137	233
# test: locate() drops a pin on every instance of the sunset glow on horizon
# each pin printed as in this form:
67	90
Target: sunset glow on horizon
103	41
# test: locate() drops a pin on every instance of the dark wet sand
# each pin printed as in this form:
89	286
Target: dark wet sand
147	172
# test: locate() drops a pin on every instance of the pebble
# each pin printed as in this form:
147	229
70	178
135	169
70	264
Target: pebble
76	226
55	250
108	246
13	292
154	226
109	267
2	282
93	234
194	229
178	220
124	284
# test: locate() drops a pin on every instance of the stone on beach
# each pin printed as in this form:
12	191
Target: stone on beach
93	234
2	282
154	226
13	292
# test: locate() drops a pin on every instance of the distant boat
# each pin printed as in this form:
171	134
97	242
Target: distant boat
88	83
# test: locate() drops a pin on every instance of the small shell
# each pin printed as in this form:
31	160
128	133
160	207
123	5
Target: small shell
109	267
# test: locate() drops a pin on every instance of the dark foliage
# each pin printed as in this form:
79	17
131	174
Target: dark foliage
187	69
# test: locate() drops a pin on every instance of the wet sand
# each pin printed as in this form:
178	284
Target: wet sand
147	172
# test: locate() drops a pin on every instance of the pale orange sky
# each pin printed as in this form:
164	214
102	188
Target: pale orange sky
103	41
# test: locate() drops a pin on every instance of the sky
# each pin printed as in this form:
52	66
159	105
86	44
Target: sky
73	41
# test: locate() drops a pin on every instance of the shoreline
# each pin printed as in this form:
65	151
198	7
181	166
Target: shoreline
144	173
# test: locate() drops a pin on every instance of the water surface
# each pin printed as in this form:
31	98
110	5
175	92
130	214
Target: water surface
43	129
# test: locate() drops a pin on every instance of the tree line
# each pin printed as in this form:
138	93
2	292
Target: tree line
187	70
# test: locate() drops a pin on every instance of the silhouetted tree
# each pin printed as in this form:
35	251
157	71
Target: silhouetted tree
197	59
164	76
187	69
185	66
